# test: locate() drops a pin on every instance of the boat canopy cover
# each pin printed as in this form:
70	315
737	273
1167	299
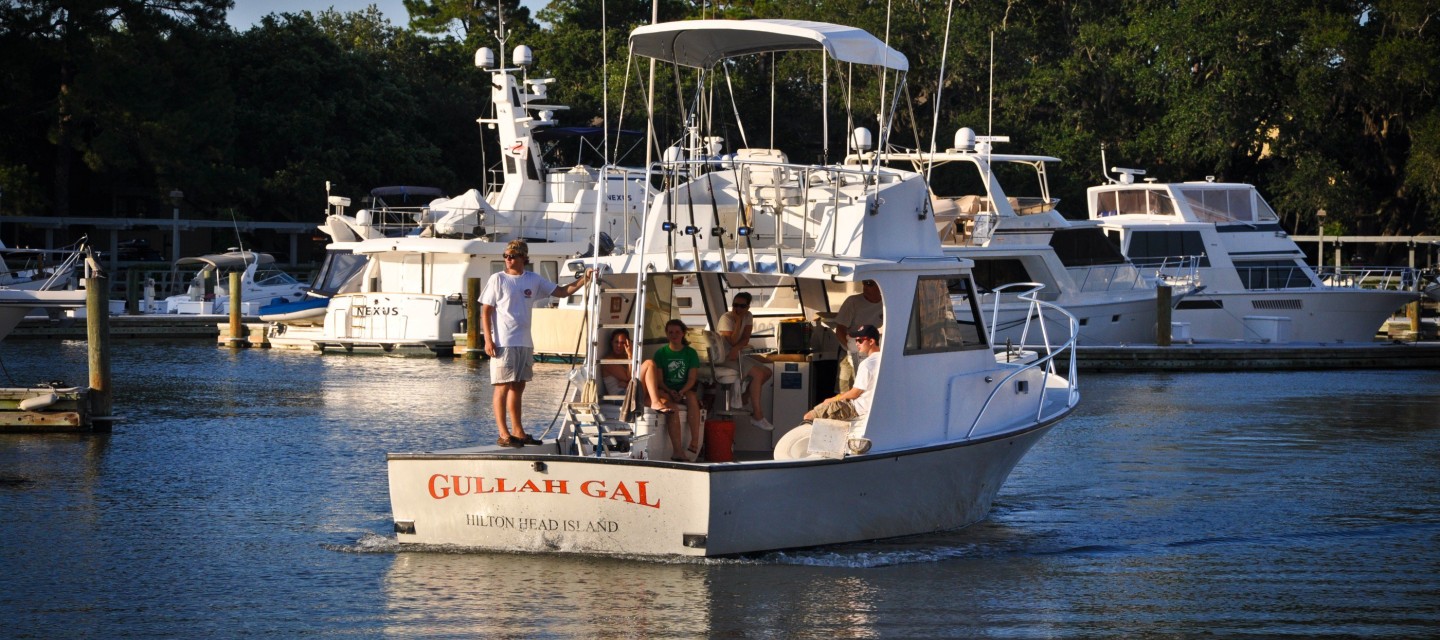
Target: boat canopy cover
561	133
702	43
232	260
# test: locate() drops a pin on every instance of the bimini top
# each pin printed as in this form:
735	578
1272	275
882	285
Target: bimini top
233	260
702	43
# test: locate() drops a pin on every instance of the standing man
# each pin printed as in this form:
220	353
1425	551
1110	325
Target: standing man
505	308
862	308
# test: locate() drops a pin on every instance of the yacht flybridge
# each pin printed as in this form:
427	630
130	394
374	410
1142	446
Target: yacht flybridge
949	417
1255	285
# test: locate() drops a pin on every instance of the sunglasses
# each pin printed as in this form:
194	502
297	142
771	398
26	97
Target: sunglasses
740	305
511	256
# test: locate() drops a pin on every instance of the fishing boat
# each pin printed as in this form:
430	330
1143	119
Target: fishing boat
1021	242
46	282
948	418
1254	283
408	296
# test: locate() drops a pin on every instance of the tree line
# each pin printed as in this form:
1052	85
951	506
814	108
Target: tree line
108	106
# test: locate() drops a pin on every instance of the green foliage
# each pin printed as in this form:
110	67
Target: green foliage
1322	103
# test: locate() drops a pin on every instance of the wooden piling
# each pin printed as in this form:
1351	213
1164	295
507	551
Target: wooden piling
237	328
1162	315
97	334
473	349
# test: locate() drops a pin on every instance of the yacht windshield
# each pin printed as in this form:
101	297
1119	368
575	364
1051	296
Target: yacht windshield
1238	204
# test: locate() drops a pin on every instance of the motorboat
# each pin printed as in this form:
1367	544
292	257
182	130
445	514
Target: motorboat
208	289
408	294
1254	283
40	269
949	416
1020	241
46	283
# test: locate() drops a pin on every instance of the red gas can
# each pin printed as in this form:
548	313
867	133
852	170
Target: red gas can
719	440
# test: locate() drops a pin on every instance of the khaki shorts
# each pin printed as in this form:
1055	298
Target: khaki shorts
512	364
836	410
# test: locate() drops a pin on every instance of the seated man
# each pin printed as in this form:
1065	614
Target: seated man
734	328
855	401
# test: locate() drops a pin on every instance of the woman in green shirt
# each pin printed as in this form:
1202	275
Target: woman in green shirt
670	378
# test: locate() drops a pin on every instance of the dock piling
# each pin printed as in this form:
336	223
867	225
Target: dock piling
473	350
237	329
97	327
1162	315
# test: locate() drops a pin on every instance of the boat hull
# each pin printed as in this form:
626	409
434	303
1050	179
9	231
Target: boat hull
488	499
1317	315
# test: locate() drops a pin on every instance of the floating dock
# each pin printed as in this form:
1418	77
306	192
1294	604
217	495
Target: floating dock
1260	357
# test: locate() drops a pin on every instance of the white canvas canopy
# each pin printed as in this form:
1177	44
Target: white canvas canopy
702	43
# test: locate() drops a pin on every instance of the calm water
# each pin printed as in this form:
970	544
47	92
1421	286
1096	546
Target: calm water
245	494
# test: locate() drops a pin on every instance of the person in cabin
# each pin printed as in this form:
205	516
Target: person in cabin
855	401
617	376
670	377
735	328
863	308
505	308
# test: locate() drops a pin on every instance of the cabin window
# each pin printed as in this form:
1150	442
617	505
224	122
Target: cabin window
991	273
1272	274
934	326
1155	248
1133	202
1085	247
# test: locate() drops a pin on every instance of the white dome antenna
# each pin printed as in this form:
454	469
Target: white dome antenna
523	56
861	139
485	58
965	139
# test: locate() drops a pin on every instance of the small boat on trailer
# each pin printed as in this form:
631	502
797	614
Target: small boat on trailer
949	416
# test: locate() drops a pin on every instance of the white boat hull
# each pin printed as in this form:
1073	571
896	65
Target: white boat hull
1112	323
517	502
1320	315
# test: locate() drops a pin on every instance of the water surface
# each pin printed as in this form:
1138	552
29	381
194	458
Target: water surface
244	494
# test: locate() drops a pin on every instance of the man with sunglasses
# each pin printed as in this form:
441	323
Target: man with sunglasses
734	328
505	309
855	401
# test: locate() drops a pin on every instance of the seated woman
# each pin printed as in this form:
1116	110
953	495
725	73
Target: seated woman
735	327
670	377
616	376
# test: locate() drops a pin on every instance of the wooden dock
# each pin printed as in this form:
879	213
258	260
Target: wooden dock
45	409
1260	357
206	327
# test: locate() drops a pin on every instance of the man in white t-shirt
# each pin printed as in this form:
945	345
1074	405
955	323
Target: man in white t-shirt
505	309
863	308
855	401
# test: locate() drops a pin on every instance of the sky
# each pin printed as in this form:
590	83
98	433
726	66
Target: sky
248	12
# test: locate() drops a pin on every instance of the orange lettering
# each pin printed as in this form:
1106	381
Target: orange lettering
585	488
621	493
438	491
529	486
641	485
555	486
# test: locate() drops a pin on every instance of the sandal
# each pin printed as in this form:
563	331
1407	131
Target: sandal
694	454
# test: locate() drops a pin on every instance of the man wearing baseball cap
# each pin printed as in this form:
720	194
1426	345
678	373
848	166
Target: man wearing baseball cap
855	401
505	308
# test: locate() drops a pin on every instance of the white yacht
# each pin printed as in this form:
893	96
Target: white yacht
948	420
408	297
208	291
1019	240
1254	283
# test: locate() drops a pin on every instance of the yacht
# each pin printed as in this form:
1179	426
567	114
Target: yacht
1254	283
407	295
948	418
1021	242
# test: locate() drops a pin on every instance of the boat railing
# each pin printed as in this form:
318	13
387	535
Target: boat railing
802	197
1046	356
1181	273
1107	277
1388	278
